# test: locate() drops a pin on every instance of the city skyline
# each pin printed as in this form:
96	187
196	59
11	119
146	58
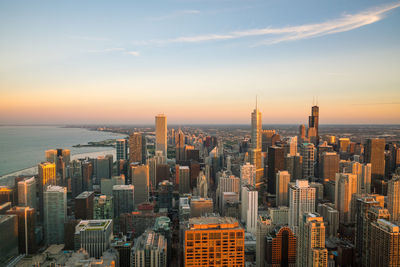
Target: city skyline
199	62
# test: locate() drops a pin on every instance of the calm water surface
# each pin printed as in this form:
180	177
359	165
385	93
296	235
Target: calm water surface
24	146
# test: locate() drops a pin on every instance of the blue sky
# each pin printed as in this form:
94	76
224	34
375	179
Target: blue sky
199	61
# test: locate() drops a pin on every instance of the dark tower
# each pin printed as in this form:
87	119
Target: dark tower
313	120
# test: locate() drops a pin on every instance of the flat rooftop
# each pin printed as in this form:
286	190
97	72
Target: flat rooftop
205	223
92	225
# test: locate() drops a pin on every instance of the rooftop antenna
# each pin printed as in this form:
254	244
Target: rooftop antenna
317	101
256	103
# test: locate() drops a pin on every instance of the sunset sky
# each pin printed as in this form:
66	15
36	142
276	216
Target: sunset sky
199	61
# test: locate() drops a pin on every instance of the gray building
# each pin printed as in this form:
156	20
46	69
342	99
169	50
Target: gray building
55	213
150	250
123	196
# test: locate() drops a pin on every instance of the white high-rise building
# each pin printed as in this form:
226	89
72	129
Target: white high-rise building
301	200
282	188
227	183
249	208
27	193
94	236
345	190
55	213
161	134
248	174
394	198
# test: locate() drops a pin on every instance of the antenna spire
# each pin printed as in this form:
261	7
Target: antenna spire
256	103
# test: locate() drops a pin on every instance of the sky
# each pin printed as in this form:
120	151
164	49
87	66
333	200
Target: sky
199	61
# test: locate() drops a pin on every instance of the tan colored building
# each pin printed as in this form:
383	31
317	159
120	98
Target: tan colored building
385	248
394	198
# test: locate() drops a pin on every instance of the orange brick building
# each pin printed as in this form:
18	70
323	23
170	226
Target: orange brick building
214	241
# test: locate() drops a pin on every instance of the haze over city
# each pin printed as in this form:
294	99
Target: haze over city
199	61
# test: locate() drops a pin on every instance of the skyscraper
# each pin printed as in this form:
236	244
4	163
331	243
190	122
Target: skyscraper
249	196
26	229
27	193
281	247
135	147
386	243
313	121
184	179
84	203
345	190
329	165
307	151
161	134
141	182
121	148
55	214
311	249
94	236
179	146
301	200
222	242
123	197
276	162
150	249
75	173
256	144
248	174
375	154
282	187
47	176
393	196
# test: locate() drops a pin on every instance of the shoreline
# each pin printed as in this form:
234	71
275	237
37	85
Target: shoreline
33	170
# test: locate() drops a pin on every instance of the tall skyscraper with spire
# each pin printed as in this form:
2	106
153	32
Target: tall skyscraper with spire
256	144
161	134
313	122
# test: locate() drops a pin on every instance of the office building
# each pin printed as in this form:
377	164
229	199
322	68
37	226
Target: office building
294	165
121	147
27	193
94	236
84	204
307	151
202	185
282	188
123	197
46	176
328	165
331	218
386	243
311	249
103	207
345	190
9	236
201	206
264	226
393	197
291	146
150	249
249	213
135	147
183	174
276	162
301	200
141	182
248	174
281	247
222	242
161	134
180	146
256	144
55	213
313	122
26	228
165	195
344	144
75	174
279	215
375	154
103	167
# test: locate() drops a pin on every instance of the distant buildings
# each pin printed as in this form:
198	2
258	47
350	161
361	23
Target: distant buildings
121	147
375	154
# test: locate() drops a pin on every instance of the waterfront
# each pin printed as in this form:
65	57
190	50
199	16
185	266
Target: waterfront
23	147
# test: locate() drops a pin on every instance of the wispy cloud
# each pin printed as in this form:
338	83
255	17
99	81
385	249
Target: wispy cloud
345	23
176	14
133	53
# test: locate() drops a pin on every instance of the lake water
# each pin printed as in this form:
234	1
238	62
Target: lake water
22	147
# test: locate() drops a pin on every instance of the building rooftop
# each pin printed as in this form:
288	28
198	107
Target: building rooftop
389	226
204	223
92	225
56	188
4	218
123	187
84	195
